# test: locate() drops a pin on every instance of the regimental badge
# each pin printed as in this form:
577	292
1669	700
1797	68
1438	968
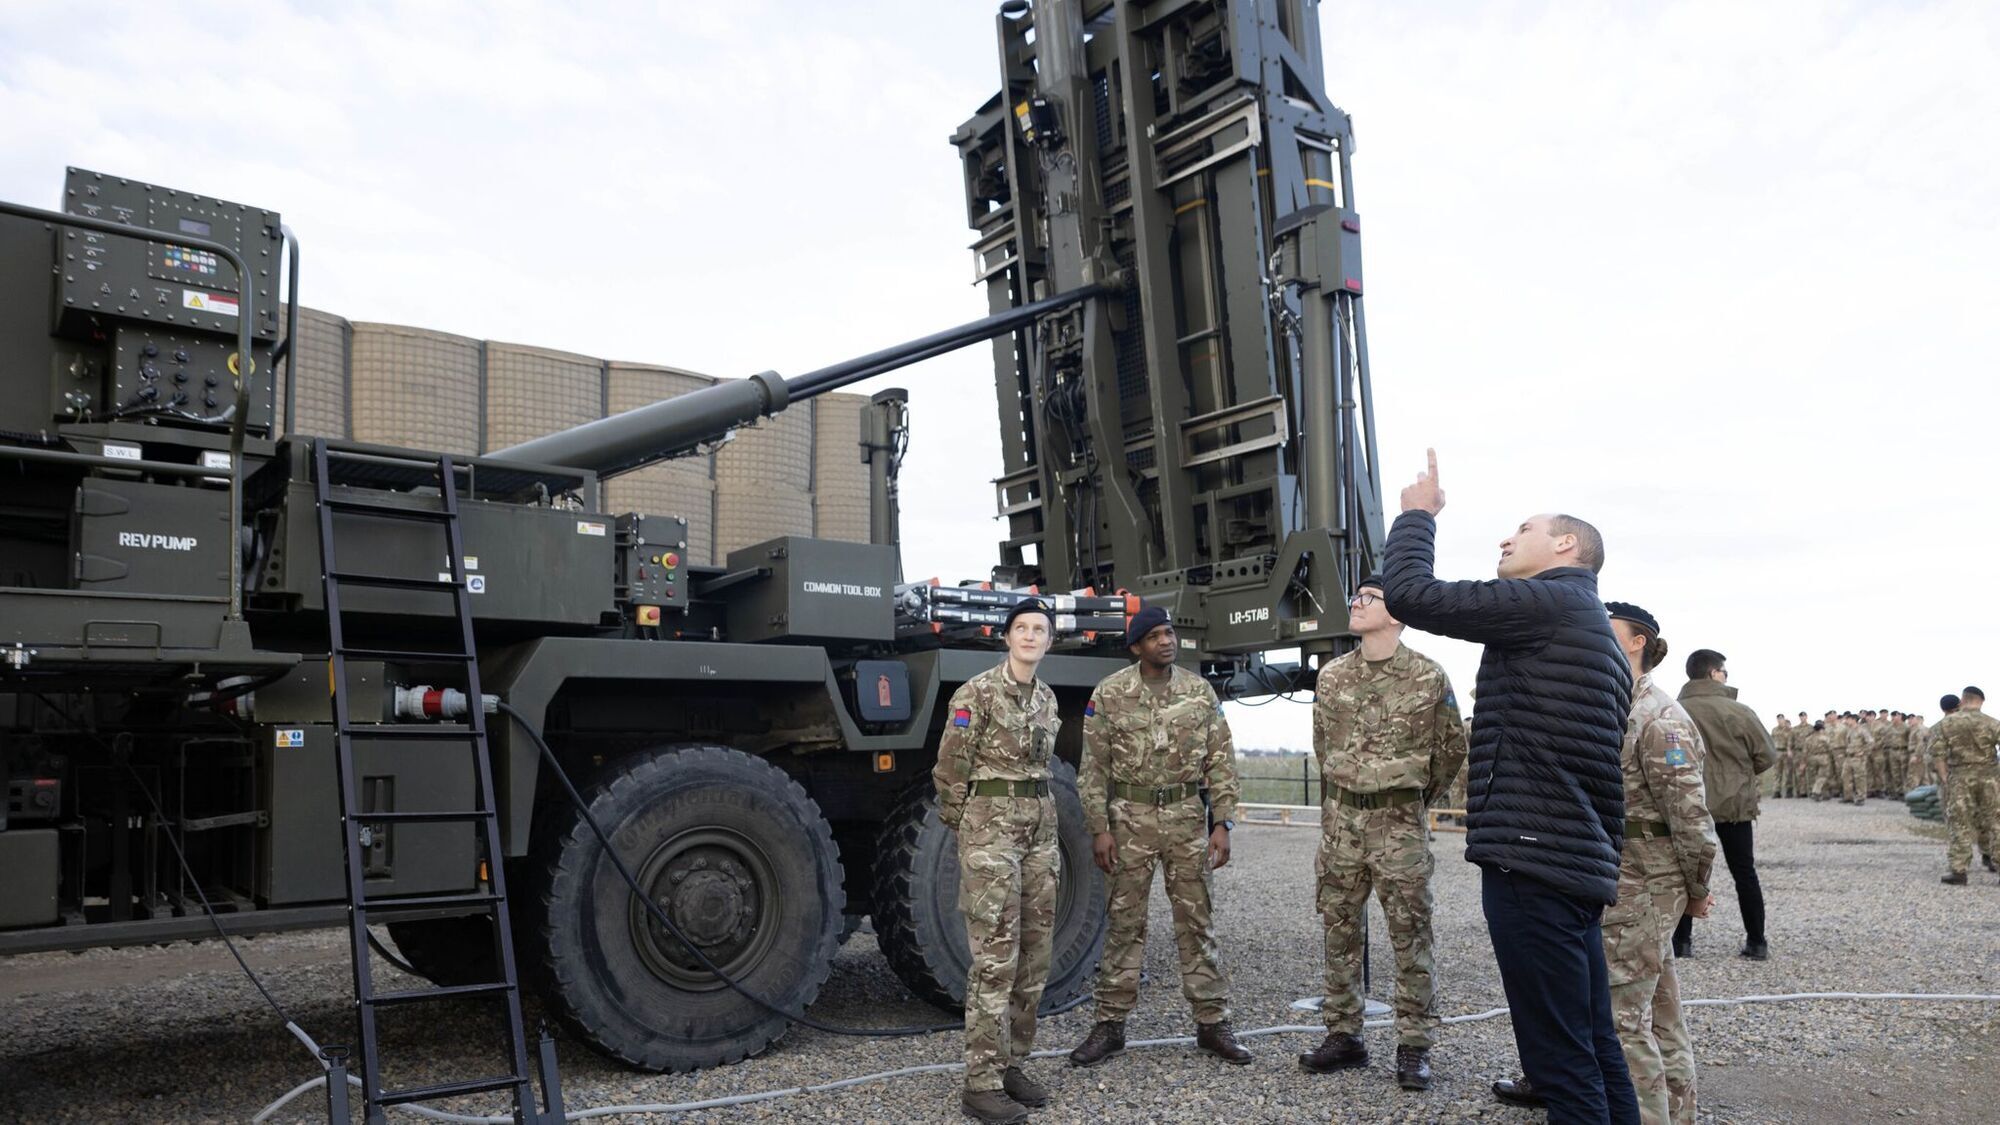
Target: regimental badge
1677	755
961	718
1090	709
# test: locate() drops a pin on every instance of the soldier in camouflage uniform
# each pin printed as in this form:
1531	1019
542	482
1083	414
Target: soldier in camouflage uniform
992	780
1964	742
1781	741
1821	747
1662	875
1857	748
1892	748
1917	770
1153	739
1801	783
1389	739
1877	723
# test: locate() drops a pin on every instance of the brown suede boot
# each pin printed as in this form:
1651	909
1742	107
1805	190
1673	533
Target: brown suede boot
1219	1039
1413	1067
1024	1089
1519	1092
1105	1041
992	1106
1340	1051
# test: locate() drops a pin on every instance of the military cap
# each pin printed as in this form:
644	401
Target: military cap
1143	622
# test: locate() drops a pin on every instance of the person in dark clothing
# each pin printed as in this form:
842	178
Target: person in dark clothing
1739	750
1545	801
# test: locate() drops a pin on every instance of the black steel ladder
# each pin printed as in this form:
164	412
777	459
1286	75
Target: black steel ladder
490	899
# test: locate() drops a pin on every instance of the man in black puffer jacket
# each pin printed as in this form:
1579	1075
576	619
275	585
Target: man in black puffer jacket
1545	802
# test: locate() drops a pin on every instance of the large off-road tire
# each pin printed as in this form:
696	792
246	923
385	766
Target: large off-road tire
744	864
449	951
917	921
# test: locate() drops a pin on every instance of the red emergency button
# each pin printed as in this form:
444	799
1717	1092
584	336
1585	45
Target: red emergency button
672	559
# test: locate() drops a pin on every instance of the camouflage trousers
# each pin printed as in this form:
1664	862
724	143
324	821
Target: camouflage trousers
1918	773
1007	863
1386	851
1972	811
1823	774
1645	993
1173	838
1854	777
1885	774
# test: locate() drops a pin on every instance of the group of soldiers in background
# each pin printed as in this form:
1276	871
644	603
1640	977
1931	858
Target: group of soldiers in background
1851	756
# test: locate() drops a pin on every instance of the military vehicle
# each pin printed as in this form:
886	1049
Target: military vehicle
252	680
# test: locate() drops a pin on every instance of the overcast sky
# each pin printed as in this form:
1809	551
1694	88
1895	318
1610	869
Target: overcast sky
1719	277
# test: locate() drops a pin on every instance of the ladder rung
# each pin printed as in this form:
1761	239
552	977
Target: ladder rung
398	656
421	995
392	581
389	512
401	731
426	902
440	817
447	1090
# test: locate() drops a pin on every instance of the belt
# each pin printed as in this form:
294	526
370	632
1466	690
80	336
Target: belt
1640	829
1155	795
994	787
1379	800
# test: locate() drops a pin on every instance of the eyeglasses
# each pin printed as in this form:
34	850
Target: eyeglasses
1364	599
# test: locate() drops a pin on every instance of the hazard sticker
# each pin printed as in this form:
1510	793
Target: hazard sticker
208	302
291	739
476	583
589	527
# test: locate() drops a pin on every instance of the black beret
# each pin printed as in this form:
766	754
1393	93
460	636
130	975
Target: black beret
1143	622
1948	703
1626	611
1374	580
1029	605
1970	692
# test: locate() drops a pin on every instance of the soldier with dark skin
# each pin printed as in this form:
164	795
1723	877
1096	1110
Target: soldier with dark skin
1965	742
1153	739
1388	736
992	779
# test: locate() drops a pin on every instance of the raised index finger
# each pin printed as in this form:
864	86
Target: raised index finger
1432	454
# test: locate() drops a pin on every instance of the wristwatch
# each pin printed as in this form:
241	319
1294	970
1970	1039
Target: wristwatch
1227	825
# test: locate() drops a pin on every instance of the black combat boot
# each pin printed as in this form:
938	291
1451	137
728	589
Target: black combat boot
1105	1041
1219	1039
1340	1051
1759	950
1955	879
1519	1092
1413	1067
992	1106
1024	1089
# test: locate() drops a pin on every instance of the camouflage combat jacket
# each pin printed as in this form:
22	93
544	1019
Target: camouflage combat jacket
1859	742
1782	736
1135	735
1895	738
1920	739
1662	759
1965	739
1396	727
994	729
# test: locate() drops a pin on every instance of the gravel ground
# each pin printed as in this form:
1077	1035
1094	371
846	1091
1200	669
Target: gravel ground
177	1035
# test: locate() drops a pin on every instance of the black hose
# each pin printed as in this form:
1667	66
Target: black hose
659	914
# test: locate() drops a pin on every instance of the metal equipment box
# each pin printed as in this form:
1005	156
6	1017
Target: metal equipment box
29	857
300	848
140	538
809	590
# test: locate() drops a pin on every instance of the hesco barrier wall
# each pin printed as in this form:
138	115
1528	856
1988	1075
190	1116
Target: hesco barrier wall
799	473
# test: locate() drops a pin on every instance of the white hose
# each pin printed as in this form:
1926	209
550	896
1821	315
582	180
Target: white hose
1173	1041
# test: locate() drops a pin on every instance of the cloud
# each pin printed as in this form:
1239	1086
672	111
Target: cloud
1716	276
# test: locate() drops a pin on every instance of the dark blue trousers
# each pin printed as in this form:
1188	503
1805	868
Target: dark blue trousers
1551	953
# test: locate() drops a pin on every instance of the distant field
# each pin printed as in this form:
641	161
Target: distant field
1280	779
